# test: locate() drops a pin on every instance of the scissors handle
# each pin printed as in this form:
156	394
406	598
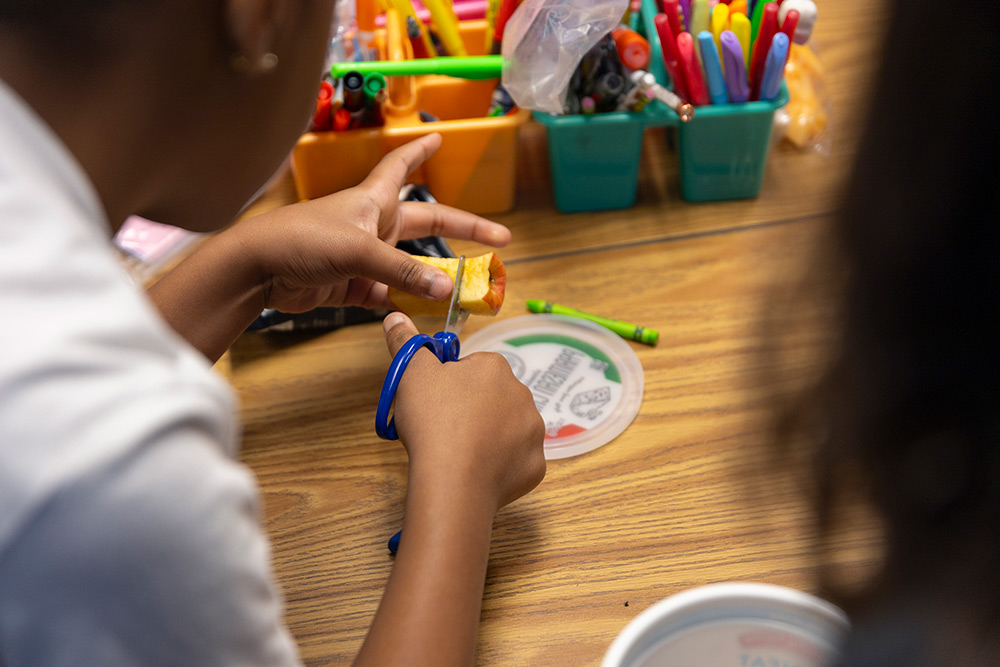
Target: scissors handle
445	347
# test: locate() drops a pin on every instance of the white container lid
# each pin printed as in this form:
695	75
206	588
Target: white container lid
732	625
587	382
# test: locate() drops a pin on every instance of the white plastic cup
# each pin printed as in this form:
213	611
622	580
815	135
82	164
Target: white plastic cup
732	625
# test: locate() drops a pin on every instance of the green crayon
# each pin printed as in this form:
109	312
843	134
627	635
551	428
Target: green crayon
623	329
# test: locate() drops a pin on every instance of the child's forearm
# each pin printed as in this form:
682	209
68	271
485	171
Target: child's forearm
429	613
212	296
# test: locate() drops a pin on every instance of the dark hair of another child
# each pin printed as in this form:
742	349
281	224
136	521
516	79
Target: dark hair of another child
909	408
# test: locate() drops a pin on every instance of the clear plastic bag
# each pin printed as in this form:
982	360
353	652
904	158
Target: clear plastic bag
545	40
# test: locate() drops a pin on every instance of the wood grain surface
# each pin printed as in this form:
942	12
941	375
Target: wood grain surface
690	494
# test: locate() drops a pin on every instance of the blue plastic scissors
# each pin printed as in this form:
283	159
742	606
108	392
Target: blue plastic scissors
444	344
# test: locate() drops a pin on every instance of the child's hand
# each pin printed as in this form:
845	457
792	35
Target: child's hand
339	250
470	426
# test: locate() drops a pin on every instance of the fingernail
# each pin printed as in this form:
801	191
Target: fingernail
439	286
391	320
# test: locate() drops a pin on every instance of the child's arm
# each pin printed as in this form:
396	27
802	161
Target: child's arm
475	444
333	251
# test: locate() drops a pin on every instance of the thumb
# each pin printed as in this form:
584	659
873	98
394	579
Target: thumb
383	263
398	329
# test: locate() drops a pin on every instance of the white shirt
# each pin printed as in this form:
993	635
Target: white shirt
128	534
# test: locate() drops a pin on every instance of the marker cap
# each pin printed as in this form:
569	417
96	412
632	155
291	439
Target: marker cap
633	49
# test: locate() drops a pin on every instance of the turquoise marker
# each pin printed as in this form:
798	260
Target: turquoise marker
623	329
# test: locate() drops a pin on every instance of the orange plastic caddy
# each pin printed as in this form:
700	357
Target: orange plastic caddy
475	166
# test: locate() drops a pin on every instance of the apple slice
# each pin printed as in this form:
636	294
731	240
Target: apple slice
482	292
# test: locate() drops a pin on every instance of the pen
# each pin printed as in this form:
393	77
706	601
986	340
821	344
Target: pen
774	68
468	67
736	72
374	82
623	329
692	70
420	48
671	58
713	68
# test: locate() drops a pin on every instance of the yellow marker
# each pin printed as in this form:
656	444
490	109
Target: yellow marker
492	7
446	23
701	17
720	22
405	10
741	26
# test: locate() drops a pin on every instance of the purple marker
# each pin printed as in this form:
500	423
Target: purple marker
736	72
686	15
774	67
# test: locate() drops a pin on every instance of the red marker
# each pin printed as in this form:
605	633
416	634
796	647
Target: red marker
768	26
671	58
504	11
341	119
692	70
322	118
790	24
672	9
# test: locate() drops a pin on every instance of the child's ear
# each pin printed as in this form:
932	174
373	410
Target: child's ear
253	27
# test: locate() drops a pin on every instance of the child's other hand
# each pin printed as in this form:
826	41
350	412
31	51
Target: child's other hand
470	427
339	250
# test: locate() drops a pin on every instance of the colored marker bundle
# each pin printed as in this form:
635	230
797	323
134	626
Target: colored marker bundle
603	80
353	101
728	56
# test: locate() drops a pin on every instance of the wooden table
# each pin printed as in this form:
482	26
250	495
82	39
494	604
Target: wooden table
686	496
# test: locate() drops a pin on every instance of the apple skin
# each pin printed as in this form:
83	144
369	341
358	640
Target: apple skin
483	287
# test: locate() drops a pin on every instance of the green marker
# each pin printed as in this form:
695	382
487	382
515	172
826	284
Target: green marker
463	67
758	13
623	329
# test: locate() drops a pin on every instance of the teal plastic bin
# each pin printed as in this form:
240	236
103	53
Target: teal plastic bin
722	151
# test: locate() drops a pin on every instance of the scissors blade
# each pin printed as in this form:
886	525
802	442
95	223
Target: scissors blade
456	316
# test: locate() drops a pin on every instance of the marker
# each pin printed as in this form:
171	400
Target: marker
469	67
623	329
504	13
701	17
587	105
323	117
446	23
737	7
633	49
807	18
354	84
420	47
713	68
774	68
720	22
685	6
374	82
671	59
672	9
341	119
692	70
736	72
768	26
789	23
740	25
758	16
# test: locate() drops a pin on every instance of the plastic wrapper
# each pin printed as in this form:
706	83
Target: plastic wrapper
803	121
544	42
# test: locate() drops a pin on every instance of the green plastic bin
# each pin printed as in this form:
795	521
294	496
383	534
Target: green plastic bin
722	151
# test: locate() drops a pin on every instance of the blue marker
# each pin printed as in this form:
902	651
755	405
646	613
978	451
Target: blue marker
713	68
774	67
736	72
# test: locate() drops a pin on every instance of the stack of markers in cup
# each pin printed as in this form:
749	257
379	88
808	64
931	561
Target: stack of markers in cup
357	101
741	48
613	76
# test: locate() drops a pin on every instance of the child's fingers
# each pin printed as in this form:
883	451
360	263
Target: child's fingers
398	329
422	219
391	172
